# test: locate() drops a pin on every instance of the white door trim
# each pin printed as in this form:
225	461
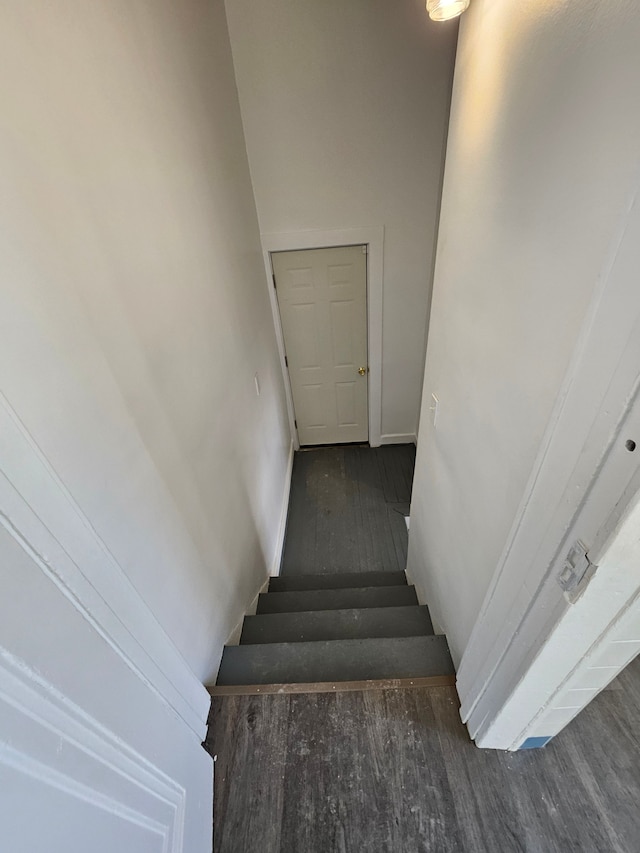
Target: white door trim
115	777
373	238
41	515
523	604
596	635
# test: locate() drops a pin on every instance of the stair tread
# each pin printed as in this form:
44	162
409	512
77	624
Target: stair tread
338	580
336	599
336	660
353	623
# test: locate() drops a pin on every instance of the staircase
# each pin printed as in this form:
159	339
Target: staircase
315	633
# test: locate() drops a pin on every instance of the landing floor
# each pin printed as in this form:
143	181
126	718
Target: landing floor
394	772
347	508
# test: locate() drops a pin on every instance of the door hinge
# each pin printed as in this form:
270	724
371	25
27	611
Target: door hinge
576	572
273	276
286	361
295	423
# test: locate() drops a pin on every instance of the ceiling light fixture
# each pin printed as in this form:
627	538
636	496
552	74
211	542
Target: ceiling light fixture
444	10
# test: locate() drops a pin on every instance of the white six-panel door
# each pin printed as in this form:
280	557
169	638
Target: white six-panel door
322	296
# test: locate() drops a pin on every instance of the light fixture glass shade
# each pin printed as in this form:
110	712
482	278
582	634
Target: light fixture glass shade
444	10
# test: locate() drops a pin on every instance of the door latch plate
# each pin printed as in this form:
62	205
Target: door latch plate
576	572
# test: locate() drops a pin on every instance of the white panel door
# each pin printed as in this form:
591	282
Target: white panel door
98	750
101	716
322	295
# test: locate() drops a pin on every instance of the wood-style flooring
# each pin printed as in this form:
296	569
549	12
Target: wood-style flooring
347	508
393	771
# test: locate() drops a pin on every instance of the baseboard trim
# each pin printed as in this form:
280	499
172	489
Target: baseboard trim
234	637
332	686
399	438
274	571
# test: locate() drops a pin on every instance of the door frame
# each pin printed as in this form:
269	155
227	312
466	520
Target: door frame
578	489
373	239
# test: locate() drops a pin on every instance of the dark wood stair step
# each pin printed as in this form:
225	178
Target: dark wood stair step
336	599
355	623
339	580
336	661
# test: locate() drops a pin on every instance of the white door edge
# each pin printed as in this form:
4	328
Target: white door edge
373	238
596	395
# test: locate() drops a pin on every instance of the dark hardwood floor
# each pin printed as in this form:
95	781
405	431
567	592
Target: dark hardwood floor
347	508
393	771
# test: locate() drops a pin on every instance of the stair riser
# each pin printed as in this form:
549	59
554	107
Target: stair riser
337	625
336	599
339	580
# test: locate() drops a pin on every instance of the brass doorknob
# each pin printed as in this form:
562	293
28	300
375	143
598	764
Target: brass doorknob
362	371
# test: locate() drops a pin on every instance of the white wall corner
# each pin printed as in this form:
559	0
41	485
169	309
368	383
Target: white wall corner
234	637
274	570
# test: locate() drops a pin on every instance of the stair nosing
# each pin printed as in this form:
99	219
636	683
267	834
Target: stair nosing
339	589
405	683
352	640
